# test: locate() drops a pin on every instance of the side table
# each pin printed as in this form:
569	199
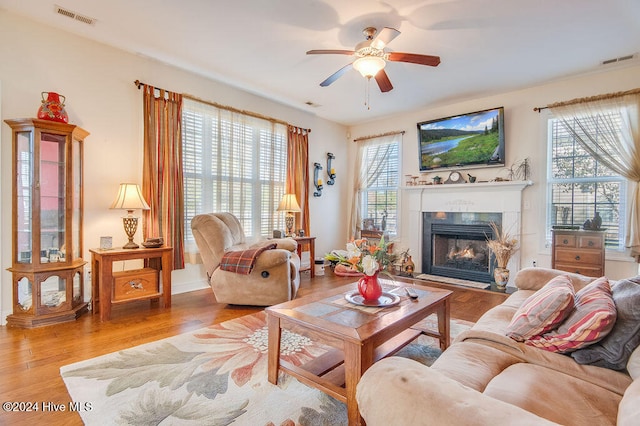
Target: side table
309	242
143	283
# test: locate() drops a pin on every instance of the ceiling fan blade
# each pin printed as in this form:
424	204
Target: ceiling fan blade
336	75
383	81
330	52
384	37
414	58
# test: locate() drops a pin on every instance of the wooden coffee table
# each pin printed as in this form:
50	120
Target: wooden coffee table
360	335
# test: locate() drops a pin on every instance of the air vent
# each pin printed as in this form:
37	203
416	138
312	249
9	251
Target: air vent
73	15
618	60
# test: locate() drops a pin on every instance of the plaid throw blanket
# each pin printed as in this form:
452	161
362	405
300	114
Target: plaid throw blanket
242	261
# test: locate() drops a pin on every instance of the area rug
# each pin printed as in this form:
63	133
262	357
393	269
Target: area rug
457	281
214	376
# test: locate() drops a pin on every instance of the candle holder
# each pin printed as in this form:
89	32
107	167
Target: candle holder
317	181
330	170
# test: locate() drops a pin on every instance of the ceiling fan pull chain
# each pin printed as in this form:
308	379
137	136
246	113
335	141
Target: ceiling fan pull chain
367	91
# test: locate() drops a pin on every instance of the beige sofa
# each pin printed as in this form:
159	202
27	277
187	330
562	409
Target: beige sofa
275	278
486	378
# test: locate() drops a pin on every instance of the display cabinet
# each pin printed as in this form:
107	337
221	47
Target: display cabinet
47	266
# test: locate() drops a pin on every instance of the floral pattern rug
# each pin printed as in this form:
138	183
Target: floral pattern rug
213	376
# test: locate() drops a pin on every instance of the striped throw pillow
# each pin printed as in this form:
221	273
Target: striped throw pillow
591	320
544	310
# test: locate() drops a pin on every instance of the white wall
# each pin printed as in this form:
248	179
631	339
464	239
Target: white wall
97	81
525	138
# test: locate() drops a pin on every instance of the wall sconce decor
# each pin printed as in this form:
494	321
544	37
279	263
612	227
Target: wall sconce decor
130	198
330	170
317	181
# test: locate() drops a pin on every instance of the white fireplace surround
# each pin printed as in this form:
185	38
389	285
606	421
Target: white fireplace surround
481	197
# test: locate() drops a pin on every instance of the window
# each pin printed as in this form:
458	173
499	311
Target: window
579	185
233	163
381	161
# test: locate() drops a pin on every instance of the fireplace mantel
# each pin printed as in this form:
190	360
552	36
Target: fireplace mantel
486	197
483	186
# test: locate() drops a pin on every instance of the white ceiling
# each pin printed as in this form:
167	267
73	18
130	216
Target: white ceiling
486	46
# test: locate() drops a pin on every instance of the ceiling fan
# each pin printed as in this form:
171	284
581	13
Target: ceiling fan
371	57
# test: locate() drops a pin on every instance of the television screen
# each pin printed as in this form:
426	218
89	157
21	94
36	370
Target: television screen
476	138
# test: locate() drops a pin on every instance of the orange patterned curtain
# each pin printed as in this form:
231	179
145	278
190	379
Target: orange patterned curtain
298	173
162	170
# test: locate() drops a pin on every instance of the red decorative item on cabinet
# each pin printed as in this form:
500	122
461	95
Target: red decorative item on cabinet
52	108
369	287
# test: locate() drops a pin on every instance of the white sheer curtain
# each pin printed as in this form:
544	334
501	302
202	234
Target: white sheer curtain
608	127
366	174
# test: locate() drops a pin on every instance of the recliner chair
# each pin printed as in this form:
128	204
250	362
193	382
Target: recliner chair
275	278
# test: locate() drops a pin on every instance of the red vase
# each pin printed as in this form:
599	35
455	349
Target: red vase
52	108
369	287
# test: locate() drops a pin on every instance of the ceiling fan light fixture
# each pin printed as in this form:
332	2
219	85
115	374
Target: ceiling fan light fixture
369	66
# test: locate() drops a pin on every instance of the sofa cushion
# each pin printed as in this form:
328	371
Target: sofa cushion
633	366
591	320
556	396
629	409
544	310
614	350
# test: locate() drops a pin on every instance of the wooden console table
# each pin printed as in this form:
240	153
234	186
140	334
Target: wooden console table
310	242
141	283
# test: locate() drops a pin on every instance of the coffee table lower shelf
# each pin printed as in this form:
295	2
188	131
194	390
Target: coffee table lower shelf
326	372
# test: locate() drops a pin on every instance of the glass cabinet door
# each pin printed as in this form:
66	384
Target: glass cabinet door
52	197
76	221
24	196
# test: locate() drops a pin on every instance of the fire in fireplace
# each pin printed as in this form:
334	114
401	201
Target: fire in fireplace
455	245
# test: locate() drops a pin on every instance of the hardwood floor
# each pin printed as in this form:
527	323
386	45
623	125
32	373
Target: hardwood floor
31	359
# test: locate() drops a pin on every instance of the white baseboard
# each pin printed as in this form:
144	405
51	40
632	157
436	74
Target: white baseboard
185	287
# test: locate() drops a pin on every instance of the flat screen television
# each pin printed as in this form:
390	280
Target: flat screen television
472	139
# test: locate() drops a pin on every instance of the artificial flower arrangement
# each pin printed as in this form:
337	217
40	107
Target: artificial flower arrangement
365	257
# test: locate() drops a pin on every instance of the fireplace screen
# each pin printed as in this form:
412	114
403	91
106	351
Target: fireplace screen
461	253
455	245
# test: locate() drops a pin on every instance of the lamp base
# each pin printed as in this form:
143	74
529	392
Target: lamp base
130	226
130	245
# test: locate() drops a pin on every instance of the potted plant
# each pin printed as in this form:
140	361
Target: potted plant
503	246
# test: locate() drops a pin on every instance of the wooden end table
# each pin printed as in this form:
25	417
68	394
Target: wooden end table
360	335
103	293
309	242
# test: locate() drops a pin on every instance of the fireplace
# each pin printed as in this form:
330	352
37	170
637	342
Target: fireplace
455	245
503	200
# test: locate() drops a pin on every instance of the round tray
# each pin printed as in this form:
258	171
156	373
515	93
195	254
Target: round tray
387	299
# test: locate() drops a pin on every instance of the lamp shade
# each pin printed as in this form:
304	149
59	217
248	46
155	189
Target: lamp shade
289	203
130	198
369	66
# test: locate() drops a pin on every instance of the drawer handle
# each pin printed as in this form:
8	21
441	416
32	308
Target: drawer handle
135	284
590	243
565	241
577	257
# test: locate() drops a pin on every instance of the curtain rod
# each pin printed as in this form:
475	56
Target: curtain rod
364	138
138	83
589	99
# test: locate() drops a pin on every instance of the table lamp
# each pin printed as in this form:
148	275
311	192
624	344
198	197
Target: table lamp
130	198
289	204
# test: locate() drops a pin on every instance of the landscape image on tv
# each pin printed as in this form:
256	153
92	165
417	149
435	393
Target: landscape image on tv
473	138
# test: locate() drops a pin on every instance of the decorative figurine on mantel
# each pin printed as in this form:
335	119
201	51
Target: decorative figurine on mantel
594	224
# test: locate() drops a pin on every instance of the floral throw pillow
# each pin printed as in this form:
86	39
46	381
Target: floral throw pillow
592	318
544	310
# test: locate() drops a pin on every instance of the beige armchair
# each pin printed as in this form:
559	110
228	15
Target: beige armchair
275	278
